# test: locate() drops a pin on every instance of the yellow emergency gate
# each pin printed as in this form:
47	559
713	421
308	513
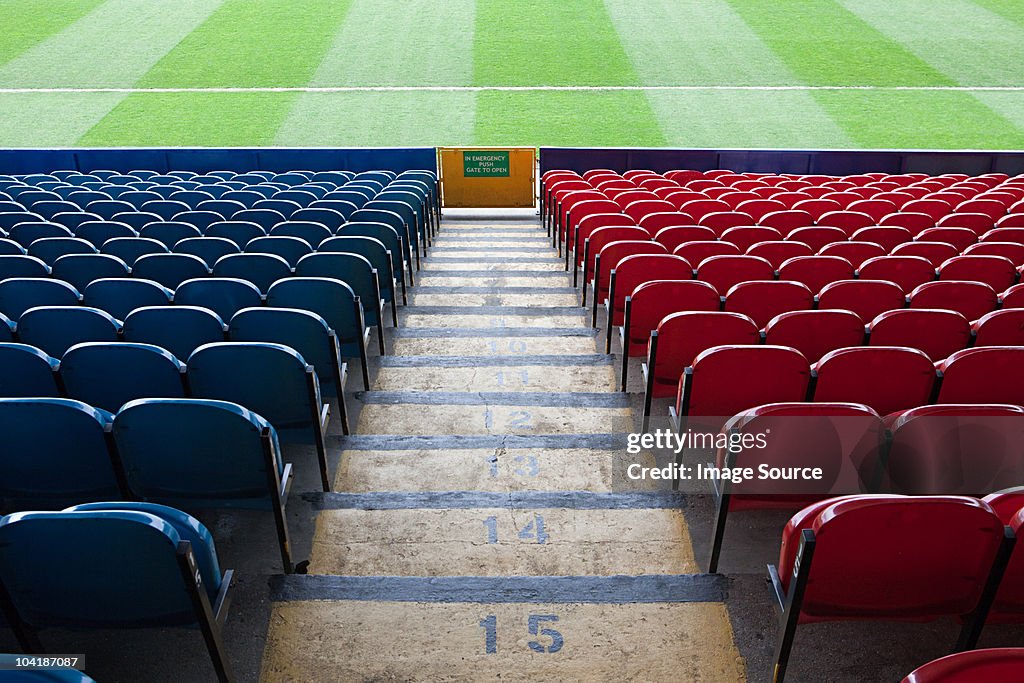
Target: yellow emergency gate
487	177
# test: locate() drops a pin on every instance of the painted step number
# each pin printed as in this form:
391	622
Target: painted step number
533	531
548	640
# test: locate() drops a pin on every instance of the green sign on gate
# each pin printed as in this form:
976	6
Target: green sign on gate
485	165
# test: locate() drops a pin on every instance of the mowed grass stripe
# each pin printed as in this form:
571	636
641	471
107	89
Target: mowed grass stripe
1010	9
539	42
252	43
113	46
424	44
966	42
826	44
31	21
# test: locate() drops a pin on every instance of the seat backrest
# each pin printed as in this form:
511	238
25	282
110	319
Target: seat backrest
936	332
787	220
763	300
778	251
121	296
817	237
17	295
131	249
1010	250
886	378
266	218
724	380
327	217
304	331
990	374
224	296
815	333
685	335
1000	328
179	329
291	249
970	299
310	232
49	249
996	271
745	236
332	299
168	233
16	265
913	221
81	269
55	329
237	231
170	270
108	375
55	453
722	272
906	271
654	300
27	233
209	249
27	372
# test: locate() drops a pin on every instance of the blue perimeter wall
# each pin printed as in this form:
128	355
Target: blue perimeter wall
201	160
825	162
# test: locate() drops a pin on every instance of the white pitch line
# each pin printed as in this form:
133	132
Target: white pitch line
522	88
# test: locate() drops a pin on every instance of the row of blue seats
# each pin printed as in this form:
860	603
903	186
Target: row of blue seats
159	569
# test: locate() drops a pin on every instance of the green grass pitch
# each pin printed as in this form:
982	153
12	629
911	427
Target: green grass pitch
658	73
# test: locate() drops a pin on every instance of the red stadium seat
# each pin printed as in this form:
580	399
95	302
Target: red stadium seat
836	437
759	208
1000	328
1011	220
993	665
701	207
970	299
597	240
876	208
899	198
960	238
762	301
889	236
588	225
654	222
866	298
978	222
912	221
606	261
681	197
644	207
936	332
854	252
722	272
936	208
777	251
816	271
745	236
818	236
990	374
934	252
599	172
995	271
653	301
720	221
844	199
887	378
577	211
734	197
1004	234
849	221
631	272
815	333
1010	250
1013	297
725	380
791	197
991	208
653	184
683	175
787	221
889	558
680	339
624	199
817	207
696	252
906	271
672	237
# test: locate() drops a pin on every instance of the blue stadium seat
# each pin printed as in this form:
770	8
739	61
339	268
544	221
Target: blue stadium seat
49	249
19	294
224	207
355	197
157	574
223	295
169	233
245	197
137	219
55	329
8	219
304	331
140	197
165	208
270	379
301	197
391	240
86	196
265	218
263	270
193	196
200	219
359	274
404	211
11	248
283	206
27	233
203	453
27	372
108	375
387	217
239	232
291	178
179	329
108	208
131	249
335	302
209	249
81	269
99	232
341	206
377	254
50	209
56	454
382	177
121	296
326	217
291	249
72	219
336	177
311	233
170	270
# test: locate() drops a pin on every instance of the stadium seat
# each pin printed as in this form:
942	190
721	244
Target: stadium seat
778	251
377	254
887	558
996	664
934	252
261	270
9	219
121	296
746	236
847	221
906	271
608	259
815	333
935	208
970	299
49	249
27	372
1010	250
979	223
55	329
885	378
11	248
170	270
786	221
838	438
697	251
720	221
656	222
1000	328
936	332
17	295
723	272
818	237
168	233
179	329
238	231
81	269
108	208
359	274
266	218
222	295
56	454
995	271
816	271
109	375
22	266
913	221
291	249
723	381
763	300
990	374
131	249
272	380
165	208
680	338
888	236
27	233
311	233
631	272
209	249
